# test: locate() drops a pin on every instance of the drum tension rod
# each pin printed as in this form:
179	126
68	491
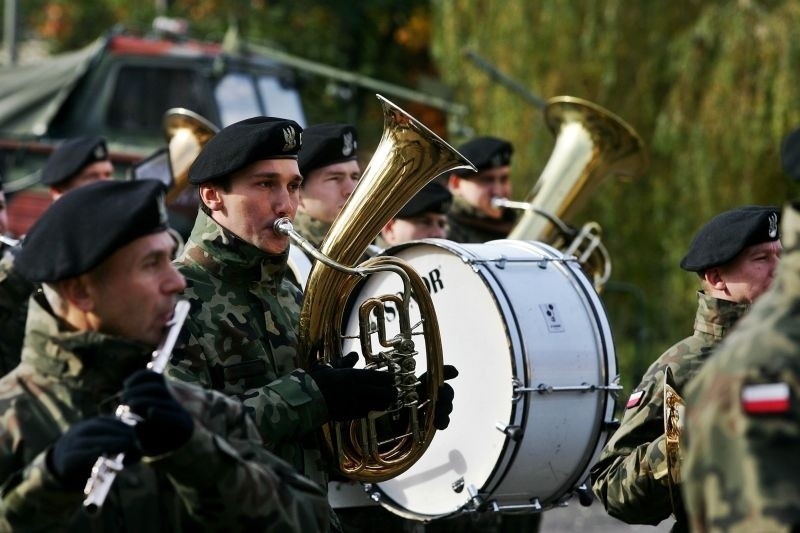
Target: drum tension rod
543	388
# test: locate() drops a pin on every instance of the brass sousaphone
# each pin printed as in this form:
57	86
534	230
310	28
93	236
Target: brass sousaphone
407	157
591	144
186	133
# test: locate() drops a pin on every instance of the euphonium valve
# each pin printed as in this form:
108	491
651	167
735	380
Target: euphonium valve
407	157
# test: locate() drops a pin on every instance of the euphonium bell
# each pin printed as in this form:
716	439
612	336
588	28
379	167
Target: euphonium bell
407	157
591	144
186	133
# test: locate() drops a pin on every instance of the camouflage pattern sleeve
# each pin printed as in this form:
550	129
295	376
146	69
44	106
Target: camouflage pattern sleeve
228	480
32	500
630	479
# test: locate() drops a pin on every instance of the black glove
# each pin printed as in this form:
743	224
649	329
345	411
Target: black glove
353	392
444	404
75	452
165	424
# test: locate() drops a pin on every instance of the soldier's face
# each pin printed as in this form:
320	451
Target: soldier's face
751	273
479	189
258	195
427	225
325	190
133	292
97	171
3	214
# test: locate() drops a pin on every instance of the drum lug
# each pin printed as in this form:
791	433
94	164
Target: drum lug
512	432
458	485
476	500
374	495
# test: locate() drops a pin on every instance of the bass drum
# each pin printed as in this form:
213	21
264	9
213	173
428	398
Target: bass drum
535	394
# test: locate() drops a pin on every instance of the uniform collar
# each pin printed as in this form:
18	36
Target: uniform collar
715	316
87	360
230	258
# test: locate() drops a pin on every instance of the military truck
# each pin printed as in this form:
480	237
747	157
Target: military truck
120	87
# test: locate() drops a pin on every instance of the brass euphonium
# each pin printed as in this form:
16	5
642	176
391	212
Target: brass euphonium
591	144
187	133
407	157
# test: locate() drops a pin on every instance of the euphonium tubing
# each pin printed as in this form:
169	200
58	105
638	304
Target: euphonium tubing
407	157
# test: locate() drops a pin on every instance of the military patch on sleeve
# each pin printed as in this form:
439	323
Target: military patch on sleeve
765	398
635	399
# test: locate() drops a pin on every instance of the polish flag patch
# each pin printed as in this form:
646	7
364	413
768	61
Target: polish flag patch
766	398
635	399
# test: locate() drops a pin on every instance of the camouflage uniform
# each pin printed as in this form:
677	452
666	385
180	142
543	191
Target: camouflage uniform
741	464
14	293
312	229
630	477
221	479
468	225
242	340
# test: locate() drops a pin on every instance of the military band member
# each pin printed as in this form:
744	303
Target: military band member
734	255
742	432
77	162
194	460
424	216
328	162
473	218
243	326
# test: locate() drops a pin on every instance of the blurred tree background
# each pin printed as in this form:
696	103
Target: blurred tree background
709	85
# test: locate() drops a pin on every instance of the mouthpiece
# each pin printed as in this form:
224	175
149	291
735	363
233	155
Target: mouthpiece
283	226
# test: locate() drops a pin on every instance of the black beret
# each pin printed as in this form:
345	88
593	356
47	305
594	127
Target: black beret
723	237
83	228
433	198
243	143
790	154
326	144
71	156
485	153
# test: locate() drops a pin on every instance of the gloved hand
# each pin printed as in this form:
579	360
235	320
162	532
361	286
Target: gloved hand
353	392
75	452
165	424
444	404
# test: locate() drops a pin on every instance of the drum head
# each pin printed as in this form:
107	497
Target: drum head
457	457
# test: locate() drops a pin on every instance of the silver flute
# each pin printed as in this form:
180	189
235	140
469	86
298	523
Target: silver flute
105	469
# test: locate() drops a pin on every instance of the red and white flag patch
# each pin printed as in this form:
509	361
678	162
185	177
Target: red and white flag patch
635	399
766	398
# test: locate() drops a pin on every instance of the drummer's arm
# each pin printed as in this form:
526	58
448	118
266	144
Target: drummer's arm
630	477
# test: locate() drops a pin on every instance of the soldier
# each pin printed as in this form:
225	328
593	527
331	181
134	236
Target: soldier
194	460
734	255
76	162
424	216
472	217
328	162
14	293
242	330
742	428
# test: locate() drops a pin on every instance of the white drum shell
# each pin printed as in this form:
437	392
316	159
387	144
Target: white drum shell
512	314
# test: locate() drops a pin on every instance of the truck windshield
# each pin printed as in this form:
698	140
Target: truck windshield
240	95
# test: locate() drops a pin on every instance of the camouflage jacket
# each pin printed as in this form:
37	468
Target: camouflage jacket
241	339
741	442
630	477
14	293
468	225
221	479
